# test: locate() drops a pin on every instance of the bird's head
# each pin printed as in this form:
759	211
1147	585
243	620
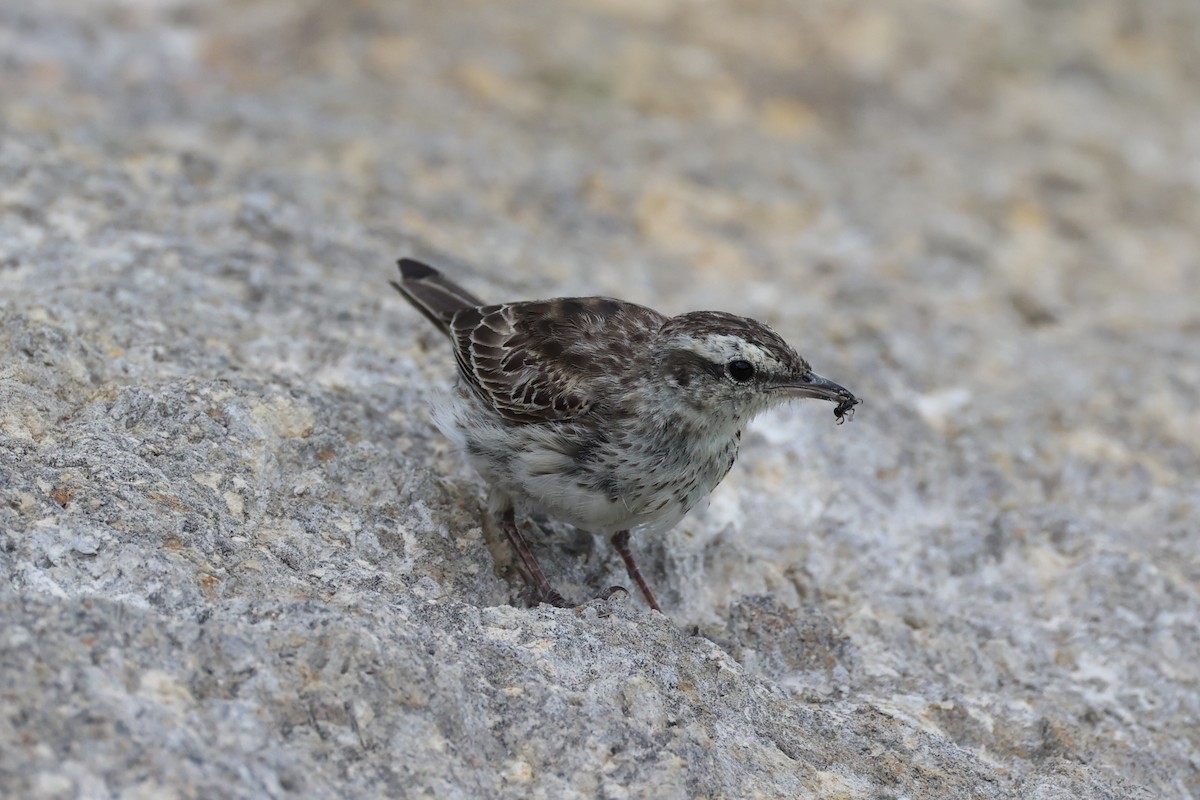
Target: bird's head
724	369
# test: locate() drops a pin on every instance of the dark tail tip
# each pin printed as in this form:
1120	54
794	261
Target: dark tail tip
432	294
414	270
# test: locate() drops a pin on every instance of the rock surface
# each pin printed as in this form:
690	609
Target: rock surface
237	561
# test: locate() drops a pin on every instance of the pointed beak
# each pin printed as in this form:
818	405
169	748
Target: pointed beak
814	386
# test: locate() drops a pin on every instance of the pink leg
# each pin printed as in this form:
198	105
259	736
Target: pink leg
533	570
620	541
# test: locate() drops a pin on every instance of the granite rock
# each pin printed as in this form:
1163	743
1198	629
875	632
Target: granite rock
236	559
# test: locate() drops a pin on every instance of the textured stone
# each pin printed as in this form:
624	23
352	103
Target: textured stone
237	561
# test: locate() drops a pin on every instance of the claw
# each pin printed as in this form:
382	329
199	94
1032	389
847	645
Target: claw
609	594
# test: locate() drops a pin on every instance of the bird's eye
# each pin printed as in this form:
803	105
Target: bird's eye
741	370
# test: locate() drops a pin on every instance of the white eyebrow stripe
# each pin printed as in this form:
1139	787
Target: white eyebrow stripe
723	347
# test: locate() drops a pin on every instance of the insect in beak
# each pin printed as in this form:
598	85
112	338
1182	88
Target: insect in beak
818	388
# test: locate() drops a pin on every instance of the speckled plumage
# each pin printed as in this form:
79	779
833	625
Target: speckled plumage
601	413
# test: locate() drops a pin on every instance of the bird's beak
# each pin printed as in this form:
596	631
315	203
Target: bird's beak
813	385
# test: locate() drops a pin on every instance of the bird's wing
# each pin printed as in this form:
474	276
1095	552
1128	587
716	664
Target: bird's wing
549	360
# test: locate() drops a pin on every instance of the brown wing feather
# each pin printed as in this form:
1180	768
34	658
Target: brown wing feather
546	360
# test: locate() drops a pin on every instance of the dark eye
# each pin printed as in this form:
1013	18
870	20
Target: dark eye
740	370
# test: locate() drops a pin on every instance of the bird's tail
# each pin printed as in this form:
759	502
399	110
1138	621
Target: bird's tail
431	293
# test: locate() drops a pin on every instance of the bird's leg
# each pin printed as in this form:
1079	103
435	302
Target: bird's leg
533	571
620	541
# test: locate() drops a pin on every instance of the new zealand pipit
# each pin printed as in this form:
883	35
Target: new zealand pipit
604	414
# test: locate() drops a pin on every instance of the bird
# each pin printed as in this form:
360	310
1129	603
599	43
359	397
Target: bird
601	413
